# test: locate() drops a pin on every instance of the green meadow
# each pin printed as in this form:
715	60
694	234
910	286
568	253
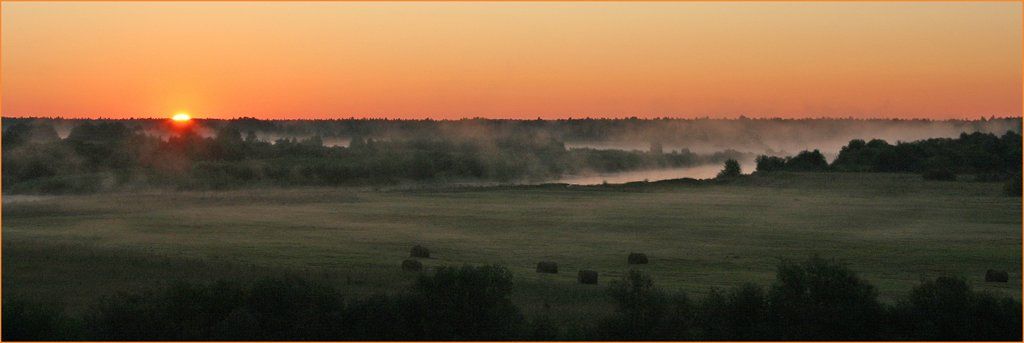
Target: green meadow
893	229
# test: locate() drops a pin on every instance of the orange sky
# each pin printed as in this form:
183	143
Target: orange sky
511	60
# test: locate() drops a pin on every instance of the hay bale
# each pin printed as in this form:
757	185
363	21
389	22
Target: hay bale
547	267
996	276
587	277
637	258
419	251
411	265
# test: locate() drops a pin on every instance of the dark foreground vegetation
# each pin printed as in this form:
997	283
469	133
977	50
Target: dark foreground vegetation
984	155
101	155
817	299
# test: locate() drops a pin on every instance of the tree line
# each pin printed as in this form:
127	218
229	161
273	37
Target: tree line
99	155
742	133
816	299
986	156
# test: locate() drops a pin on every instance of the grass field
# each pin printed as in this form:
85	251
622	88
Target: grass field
894	230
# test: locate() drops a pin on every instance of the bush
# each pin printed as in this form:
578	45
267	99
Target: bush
181	312
947	309
643	312
272	309
293	308
467	303
730	170
741	314
822	300
376	318
639	308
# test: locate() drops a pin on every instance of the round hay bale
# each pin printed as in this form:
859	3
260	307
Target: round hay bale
996	276
547	267
419	251
411	265
637	258
587	277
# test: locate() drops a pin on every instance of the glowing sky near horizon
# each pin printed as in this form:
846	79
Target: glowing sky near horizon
511	60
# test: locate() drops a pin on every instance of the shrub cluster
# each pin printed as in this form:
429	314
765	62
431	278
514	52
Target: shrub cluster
731	169
805	161
814	300
467	303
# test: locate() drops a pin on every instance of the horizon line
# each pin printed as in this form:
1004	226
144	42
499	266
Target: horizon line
663	118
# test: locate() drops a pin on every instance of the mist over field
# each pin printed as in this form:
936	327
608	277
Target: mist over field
756	136
786	137
604	150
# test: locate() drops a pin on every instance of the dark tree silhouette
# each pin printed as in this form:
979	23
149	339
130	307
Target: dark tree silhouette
731	169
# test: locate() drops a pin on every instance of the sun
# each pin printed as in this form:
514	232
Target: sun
181	117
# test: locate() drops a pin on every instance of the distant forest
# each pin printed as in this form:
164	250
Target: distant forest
75	156
759	136
99	155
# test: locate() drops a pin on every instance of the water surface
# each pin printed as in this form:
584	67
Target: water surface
706	171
